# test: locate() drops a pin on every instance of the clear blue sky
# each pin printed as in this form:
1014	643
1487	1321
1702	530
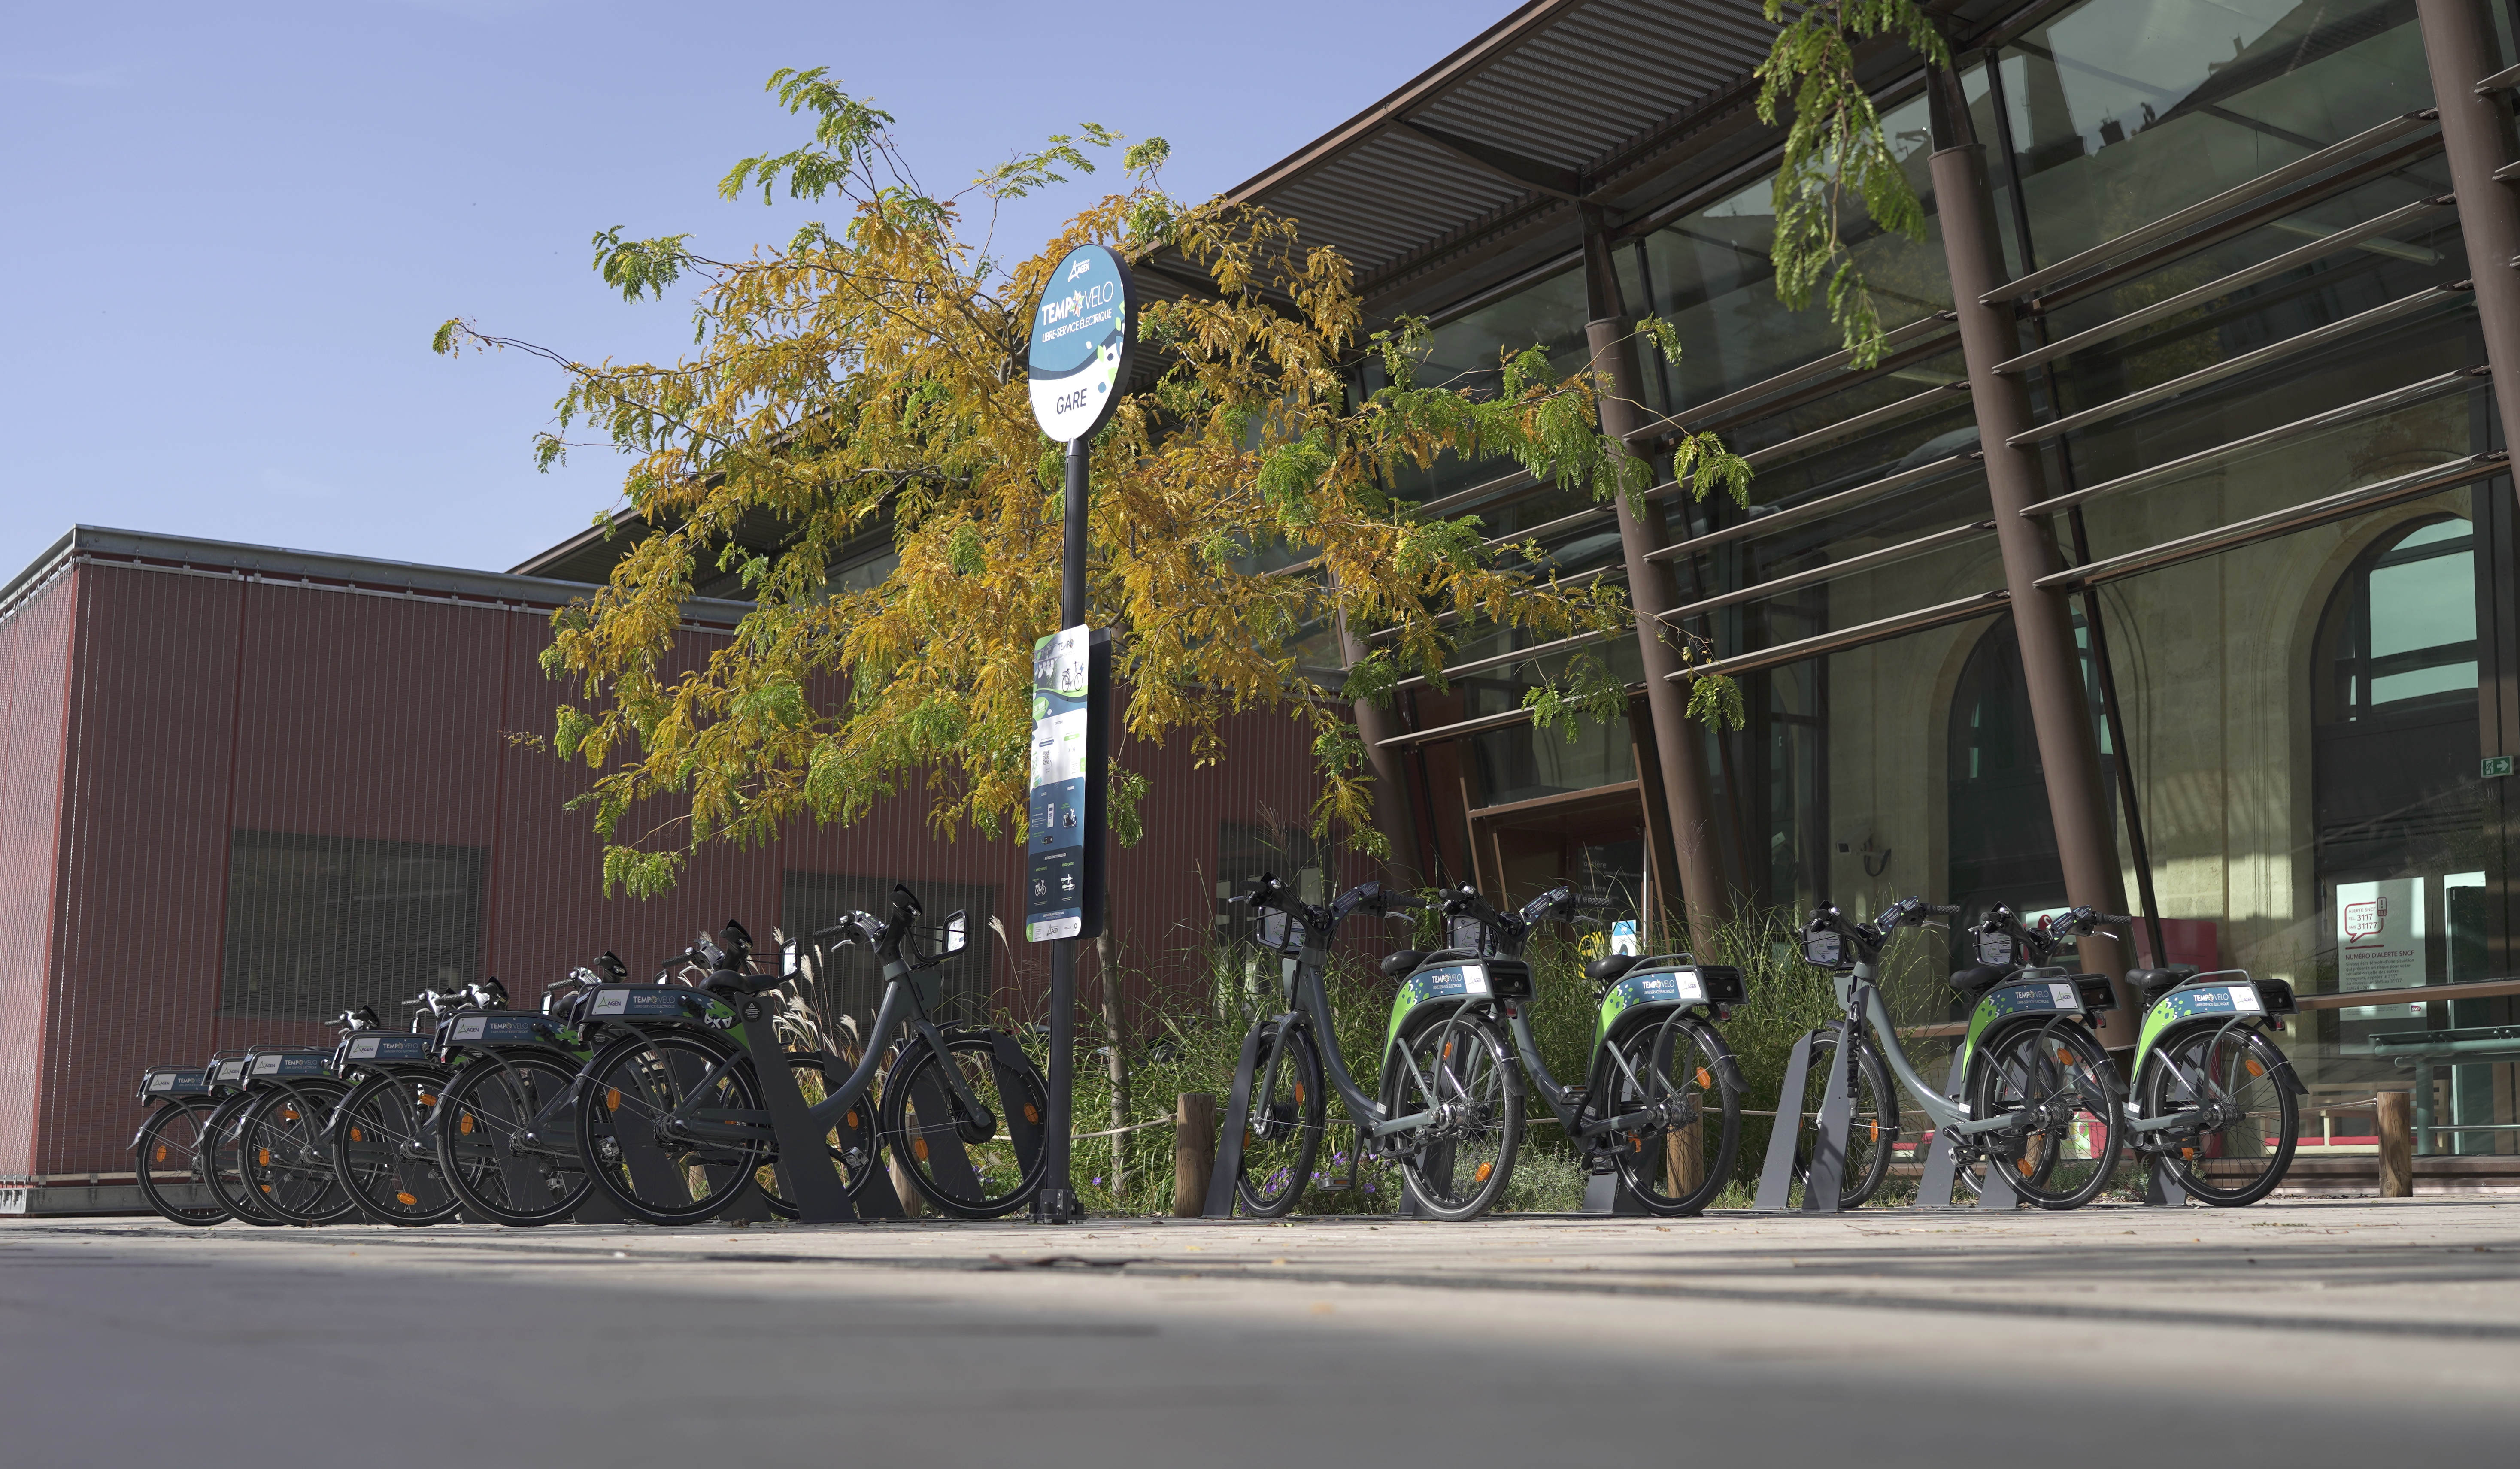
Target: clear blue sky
233	227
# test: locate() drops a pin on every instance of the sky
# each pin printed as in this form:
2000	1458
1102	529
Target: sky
234	227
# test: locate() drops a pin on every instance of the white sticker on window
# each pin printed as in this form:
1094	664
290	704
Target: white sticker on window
2244	998
2065	997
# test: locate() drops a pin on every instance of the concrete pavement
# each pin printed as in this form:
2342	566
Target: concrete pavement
2301	1331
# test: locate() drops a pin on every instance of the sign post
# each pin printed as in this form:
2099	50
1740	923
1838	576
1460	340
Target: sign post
1082	331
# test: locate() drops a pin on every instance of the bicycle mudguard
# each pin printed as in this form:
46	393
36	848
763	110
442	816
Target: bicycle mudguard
1641	996
1446	983
2214	999
2031	999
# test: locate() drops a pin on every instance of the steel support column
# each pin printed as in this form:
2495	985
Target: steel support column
1706	890
2051	664
2475	140
1406	865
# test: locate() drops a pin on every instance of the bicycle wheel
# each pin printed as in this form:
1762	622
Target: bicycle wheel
849	1145
2062	1082
1459	1070
223	1162
1283	1135
1872	1121
506	1145
628	1140
2228	1159
383	1154
965	1164
167	1158
1673	1166
287	1152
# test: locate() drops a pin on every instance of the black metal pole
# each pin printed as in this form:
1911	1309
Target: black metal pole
1056	1203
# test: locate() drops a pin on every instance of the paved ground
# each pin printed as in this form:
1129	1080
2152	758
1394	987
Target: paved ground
2303	1332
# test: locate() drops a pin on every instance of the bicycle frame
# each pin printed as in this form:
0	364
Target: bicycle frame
1859	998
2193	1004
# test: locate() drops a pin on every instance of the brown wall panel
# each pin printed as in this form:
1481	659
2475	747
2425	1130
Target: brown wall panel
34	663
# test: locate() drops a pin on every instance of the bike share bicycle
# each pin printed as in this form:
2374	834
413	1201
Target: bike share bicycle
1450	1115
2209	1083
1656	1062
221	1167
167	1154
673	1123
2031	1086
284	1154
499	1130
380	1134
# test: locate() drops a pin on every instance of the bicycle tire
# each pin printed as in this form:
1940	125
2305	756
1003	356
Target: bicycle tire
1872	1123
170	1143
480	1127
851	1143
1476	1092
1282	1138
2018	1069
922	1113
385	1152
631	1087
287	1152
1688	1059
2256	1092
223	1165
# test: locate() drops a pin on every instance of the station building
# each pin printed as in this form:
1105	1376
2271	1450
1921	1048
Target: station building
2163	564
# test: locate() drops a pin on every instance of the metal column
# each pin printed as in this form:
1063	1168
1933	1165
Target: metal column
1679	741
2475	140
2050	665
1406	866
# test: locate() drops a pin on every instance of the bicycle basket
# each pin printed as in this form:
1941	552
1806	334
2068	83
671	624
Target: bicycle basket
1828	951
2001	950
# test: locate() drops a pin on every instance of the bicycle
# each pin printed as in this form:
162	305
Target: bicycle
222	1166
284	1150
1450	1113
1656	1061
382	1146
500	1127
2208	1081
2036	1087
167	1153
672	1125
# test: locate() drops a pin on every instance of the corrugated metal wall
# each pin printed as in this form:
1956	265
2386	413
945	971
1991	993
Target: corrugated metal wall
283	798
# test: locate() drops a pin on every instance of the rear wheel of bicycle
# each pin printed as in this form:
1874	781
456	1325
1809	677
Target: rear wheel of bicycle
223	1162
2063	1157
641	1162
2237	1076
385	1155
287	1152
848	1144
1283	1132
507	1145
1459	1069
967	1164
168	1161
1678	1168
1872	1121
1283	1129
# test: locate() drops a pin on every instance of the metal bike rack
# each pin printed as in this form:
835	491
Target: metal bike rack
816	1192
1229	1139
1821	1193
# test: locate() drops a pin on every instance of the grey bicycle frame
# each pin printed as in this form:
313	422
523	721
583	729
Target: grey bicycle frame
1858	996
1311	1003
2163	1123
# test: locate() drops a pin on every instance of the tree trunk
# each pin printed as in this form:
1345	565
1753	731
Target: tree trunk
1114	1034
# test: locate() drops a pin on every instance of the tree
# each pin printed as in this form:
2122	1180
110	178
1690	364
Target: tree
870	376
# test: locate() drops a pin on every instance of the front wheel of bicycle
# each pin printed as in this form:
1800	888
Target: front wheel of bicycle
1282	1135
631	1137
287	1152
383	1154
1873	1116
2063	1084
850	1147
1680	1069
507	1145
223	1163
1461	1074
2236	1075
972	1164
168	1158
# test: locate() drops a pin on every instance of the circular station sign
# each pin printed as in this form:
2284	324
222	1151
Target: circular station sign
1081	334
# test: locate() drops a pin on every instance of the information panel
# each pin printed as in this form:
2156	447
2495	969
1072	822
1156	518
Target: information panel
1071	672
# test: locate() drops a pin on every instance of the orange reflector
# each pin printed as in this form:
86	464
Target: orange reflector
464	1124
2024	1167
357	1137
1032	1114
1703	1079
612	1099
428	1100
1299	1092
2255	1069
407	1200
262	1157
289	1114
853	1117
1875	1129
918	1148
161	1152
1485	1169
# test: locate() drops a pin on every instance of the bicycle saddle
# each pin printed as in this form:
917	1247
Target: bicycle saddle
2152	984
1398	963
1609	966
1977	979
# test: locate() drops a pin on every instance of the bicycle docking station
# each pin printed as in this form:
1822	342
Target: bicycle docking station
816	1192
1228	1138
1824	1186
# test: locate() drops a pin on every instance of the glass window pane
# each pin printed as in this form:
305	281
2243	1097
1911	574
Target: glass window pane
2425	603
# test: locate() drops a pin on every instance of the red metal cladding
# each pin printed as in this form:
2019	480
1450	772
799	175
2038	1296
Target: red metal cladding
242	804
